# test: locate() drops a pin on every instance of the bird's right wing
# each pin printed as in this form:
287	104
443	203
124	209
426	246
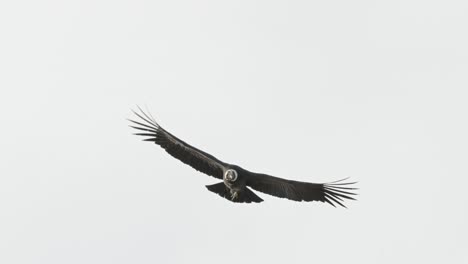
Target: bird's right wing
334	192
197	159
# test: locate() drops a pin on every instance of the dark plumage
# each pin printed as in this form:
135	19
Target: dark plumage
236	180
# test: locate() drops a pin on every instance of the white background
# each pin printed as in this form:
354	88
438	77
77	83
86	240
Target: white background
306	90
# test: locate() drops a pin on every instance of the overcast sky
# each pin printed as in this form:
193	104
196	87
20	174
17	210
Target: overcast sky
306	90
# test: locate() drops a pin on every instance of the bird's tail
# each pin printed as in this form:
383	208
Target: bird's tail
245	196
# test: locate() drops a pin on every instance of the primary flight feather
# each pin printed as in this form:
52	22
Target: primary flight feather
236	180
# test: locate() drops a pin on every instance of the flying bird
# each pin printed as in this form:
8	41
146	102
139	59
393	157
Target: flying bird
236	181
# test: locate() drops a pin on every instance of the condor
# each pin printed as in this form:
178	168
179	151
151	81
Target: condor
236	180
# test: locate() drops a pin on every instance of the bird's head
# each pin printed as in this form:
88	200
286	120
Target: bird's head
230	175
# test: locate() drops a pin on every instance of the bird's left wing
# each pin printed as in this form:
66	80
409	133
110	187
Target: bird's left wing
197	159
334	192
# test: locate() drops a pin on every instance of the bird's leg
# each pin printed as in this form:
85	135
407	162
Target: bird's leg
234	195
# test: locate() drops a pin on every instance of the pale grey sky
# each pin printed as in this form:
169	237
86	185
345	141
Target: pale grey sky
306	90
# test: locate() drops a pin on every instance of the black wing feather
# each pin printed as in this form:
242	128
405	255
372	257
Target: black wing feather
197	159
332	193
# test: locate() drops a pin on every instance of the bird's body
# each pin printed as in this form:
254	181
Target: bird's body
233	181
236	181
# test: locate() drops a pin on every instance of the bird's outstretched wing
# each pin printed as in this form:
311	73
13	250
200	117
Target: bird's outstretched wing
332	193
197	159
